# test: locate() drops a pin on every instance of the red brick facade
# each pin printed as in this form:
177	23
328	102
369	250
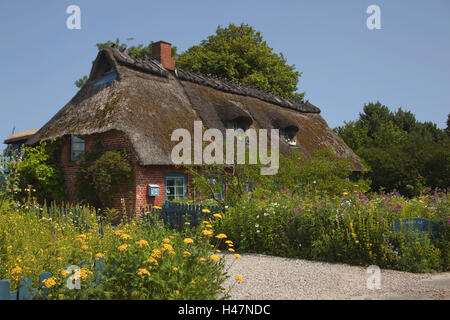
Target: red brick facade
136	198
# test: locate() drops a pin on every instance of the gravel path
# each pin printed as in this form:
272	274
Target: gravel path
275	278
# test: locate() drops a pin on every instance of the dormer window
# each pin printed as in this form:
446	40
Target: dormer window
107	77
289	135
240	125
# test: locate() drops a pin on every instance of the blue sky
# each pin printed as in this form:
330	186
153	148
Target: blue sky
345	65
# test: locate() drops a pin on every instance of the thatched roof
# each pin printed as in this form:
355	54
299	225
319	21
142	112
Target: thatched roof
148	102
20	136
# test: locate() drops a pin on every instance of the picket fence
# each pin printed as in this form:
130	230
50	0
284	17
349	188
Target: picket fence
177	214
25	290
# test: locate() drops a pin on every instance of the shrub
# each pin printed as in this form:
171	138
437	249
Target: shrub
101	175
36	168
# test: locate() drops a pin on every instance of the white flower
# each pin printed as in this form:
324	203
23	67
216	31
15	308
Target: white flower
256	225
257	217
257	231
265	214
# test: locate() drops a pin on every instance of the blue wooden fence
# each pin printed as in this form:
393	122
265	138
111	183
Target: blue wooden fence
25	290
177	214
419	226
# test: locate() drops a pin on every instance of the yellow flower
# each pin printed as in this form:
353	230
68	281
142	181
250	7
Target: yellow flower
209	226
231	249
345	193
187	253
206	211
64	273
356	241
85	273
239	277
217	250
202	259
207	233
152	260
238	256
221	236
142	244
157	208
125	236
229	242
217	216
50	282
59	259
156	253
167	247
123	247
99	256
214	257
143	272
175	269
188	240
166	240
205	222
60	296
193	282
84	247
15	273
187	223
177	292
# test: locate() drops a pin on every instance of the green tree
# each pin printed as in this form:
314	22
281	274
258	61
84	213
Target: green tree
400	152
239	53
448	125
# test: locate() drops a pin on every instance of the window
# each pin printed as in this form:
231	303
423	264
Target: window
289	135
108	76
174	186
240	125
218	186
76	148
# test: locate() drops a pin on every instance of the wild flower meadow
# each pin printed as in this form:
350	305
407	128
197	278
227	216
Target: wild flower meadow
141	260
351	228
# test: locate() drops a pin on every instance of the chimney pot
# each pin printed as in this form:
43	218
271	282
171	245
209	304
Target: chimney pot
162	51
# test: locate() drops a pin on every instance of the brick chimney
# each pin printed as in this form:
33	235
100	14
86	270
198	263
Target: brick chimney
162	51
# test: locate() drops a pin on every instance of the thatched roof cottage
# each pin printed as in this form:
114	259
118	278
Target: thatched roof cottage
137	103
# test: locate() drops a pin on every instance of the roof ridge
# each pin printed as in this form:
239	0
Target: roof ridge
213	81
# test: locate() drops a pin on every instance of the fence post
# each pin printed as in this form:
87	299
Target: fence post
5	287
25	290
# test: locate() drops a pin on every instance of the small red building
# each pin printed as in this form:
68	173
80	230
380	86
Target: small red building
136	104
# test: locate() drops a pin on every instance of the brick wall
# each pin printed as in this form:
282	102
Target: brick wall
137	197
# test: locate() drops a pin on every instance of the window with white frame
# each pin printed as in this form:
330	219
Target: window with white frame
175	186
